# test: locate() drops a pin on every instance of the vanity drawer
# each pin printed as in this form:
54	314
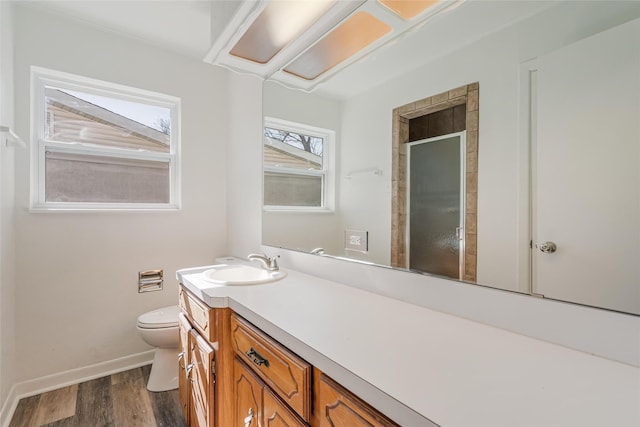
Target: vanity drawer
197	312
284	372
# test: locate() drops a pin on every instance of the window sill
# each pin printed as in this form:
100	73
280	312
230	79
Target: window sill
282	209
102	209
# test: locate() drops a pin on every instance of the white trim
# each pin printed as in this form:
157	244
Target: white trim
41	77
293	171
328	165
103	88
70	377
525	181
11	139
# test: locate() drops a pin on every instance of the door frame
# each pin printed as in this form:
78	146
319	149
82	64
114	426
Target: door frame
527	169
468	95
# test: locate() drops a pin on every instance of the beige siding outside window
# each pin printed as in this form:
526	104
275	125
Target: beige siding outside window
297	175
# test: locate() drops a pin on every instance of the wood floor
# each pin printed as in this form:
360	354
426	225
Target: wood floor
120	400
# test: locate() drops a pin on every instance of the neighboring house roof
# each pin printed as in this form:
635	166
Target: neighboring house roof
278	153
77	120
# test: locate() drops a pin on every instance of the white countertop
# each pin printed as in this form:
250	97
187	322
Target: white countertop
416	364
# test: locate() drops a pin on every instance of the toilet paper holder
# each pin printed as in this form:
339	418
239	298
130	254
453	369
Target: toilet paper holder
150	280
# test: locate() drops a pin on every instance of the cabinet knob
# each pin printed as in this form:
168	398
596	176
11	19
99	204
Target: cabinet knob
180	357
189	369
248	418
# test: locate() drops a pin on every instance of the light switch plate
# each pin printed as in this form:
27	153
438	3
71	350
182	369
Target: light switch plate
355	240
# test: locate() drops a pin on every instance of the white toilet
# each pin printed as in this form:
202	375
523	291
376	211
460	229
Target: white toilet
159	328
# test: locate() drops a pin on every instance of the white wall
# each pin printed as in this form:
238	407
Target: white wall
291	229
244	165
7	281
76	273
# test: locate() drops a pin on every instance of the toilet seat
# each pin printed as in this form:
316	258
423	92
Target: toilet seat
166	317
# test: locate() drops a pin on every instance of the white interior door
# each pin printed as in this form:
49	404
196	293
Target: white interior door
587	171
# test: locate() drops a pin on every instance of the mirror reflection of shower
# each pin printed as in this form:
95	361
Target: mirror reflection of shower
436	205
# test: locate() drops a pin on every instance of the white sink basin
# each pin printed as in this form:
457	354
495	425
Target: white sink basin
241	275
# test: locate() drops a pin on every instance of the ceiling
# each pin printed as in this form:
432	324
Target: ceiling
184	27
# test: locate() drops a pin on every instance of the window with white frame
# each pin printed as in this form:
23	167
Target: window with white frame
298	172
102	146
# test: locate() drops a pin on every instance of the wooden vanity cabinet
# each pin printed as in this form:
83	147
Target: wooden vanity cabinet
196	375
201	376
247	406
286	374
199	314
336	406
255	403
204	393
277	414
184	389
233	374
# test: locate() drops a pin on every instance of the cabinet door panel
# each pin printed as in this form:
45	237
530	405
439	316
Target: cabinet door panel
183	362
202	381
339	408
248	402
276	414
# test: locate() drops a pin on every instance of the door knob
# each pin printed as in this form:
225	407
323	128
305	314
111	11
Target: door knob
547	247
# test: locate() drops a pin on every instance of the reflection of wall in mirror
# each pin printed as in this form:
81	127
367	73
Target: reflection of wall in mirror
292	229
494	61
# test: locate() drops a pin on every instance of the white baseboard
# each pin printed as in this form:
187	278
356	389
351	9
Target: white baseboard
63	379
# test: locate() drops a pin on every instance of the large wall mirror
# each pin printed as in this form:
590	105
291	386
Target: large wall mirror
526	115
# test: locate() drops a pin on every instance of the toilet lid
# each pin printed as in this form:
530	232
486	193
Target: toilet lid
165	317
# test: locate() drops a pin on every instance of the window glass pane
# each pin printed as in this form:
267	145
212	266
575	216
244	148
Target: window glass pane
283	148
292	190
72	116
102	179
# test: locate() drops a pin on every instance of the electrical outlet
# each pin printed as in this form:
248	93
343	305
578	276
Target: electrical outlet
355	240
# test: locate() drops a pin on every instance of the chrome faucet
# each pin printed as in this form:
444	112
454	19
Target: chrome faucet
270	264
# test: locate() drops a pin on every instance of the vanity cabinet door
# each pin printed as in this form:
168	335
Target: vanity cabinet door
276	414
183	362
202	378
337	407
248	396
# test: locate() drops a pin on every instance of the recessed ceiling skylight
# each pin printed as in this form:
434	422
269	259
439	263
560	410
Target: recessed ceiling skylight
408	9
354	34
280	22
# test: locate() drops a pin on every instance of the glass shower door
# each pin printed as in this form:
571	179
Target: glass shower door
435	200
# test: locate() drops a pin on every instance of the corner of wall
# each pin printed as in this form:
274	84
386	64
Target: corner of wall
244	165
7	205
